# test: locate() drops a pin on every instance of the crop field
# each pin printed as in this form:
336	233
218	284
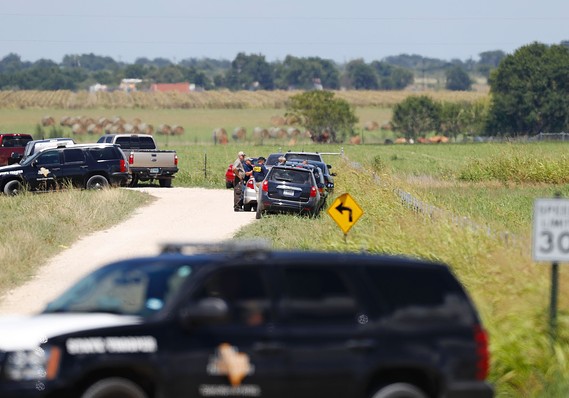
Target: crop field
493	186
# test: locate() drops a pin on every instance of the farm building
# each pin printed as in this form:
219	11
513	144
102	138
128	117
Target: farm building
179	87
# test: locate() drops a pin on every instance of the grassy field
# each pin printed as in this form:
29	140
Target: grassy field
493	185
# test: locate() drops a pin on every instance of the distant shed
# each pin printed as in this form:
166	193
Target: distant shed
179	87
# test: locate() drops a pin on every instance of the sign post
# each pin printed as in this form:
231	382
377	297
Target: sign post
551	243
345	211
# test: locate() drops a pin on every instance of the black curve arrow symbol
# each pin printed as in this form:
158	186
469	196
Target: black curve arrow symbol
341	209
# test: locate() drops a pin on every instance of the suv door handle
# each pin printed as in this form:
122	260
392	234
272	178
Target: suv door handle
361	344
268	348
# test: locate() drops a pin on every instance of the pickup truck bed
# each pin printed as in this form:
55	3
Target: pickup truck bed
146	162
12	143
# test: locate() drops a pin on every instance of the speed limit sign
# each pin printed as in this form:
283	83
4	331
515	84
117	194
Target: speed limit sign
551	230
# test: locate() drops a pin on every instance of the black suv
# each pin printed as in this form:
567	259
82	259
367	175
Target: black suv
90	166
250	321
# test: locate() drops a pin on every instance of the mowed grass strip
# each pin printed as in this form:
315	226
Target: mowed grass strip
35	227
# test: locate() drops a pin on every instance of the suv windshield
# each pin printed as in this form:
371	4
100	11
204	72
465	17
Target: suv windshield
122	289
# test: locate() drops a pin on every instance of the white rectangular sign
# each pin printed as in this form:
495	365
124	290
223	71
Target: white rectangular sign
551	230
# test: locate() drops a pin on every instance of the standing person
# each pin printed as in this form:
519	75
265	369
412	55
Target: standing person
248	166
239	173
260	171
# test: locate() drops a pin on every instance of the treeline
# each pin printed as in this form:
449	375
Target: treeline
245	72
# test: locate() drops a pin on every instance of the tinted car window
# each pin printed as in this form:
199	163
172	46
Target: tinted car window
49	157
124	142
417	294
316	296
244	290
11	142
146	143
104	153
73	155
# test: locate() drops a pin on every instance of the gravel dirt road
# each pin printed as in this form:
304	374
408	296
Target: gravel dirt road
178	215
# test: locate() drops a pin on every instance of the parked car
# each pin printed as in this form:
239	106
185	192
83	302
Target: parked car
12	146
290	189
251	321
39	145
272	160
90	166
328	177
290	155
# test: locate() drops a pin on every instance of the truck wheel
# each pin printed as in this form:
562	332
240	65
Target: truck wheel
165	183
247	207
97	182
399	390
114	387
13	187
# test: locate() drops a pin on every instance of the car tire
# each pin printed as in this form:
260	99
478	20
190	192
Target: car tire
399	390
114	387
97	182
13	187
165	182
247	207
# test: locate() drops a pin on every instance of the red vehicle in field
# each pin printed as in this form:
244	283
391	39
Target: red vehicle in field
12	144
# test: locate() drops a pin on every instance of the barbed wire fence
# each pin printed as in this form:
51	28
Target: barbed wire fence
431	212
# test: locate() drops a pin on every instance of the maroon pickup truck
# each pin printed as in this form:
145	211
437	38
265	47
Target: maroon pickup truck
12	143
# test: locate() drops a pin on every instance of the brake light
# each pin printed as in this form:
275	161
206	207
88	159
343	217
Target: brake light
176	160
250	184
131	158
265	186
482	353
313	191
123	166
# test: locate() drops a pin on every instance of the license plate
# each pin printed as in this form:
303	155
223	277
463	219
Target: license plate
154	170
288	192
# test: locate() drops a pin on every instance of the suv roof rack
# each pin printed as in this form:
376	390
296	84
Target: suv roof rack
228	247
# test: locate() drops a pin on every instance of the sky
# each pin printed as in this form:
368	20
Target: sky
331	29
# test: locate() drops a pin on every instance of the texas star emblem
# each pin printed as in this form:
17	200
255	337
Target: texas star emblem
45	172
228	361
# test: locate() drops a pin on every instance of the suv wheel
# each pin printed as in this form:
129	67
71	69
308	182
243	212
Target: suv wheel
97	182
399	390
114	387
13	187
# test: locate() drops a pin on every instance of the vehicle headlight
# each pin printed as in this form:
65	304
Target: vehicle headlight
36	364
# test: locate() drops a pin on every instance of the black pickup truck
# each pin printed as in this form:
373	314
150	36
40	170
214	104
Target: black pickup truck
252	322
90	166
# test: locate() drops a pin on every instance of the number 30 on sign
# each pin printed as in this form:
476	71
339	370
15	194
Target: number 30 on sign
551	230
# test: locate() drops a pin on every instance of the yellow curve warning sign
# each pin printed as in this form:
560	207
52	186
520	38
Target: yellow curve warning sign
345	211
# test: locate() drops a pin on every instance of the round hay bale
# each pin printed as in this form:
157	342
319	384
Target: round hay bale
277	121
239	134
164	129
47	121
78	129
293	132
146	128
177	130
220	136
292	120
355	140
64	121
136	121
387	126
118	120
400	140
94	129
371	126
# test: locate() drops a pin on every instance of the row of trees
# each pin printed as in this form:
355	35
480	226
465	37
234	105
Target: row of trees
245	72
529	95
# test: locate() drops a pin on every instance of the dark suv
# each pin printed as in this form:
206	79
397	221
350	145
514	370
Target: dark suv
292	188
250	321
90	166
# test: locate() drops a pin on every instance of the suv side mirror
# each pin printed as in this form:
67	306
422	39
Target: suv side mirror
206	311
